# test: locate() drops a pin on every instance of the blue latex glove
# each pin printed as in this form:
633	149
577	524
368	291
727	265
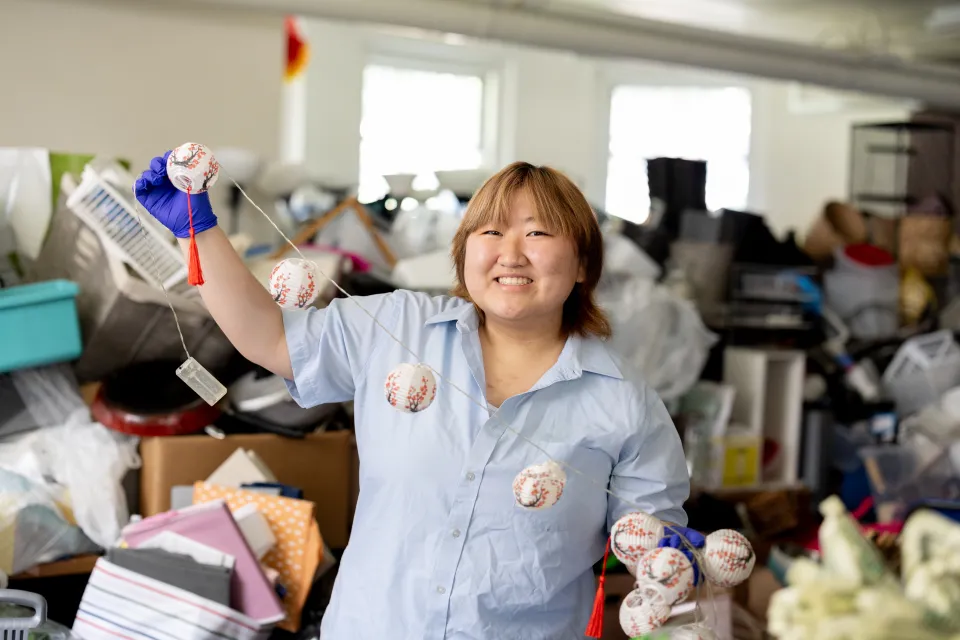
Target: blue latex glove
168	204
672	538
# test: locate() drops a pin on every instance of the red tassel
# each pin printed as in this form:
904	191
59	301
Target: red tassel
194	272
595	626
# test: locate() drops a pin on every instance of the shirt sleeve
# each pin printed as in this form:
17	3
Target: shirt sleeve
330	347
652	470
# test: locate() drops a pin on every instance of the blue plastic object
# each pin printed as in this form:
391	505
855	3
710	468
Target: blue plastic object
39	325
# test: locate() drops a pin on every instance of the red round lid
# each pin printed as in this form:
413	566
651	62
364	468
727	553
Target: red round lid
869	255
175	422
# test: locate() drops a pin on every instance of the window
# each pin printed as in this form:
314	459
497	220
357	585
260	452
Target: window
711	124
418	121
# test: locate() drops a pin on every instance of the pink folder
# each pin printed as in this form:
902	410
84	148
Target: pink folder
212	524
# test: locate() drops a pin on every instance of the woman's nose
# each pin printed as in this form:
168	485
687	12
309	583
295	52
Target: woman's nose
511	251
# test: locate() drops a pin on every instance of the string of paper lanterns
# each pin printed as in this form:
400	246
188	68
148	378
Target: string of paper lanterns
665	576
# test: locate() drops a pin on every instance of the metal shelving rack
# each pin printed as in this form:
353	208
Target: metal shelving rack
895	165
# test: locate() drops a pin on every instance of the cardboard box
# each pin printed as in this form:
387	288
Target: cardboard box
322	464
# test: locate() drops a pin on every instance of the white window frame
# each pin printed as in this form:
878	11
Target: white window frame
643	74
439	57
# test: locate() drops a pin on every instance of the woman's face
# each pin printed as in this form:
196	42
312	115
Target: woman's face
519	273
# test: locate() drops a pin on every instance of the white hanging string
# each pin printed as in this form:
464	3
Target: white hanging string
153	257
698	614
483	405
696	552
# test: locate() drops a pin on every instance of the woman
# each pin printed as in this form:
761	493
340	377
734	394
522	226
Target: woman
439	549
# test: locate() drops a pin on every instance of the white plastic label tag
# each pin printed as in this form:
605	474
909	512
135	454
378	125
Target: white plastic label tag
201	381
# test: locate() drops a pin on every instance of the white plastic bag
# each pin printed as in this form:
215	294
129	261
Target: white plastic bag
35	525
87	462
658	333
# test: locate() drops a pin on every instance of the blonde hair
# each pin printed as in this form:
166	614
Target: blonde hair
563	210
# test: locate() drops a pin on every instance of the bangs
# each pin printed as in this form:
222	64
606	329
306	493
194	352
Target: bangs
551	202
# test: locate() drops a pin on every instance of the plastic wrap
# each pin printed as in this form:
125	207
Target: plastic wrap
61	491
658	333
35	398
36	524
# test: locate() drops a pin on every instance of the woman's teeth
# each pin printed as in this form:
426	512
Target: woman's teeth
514	281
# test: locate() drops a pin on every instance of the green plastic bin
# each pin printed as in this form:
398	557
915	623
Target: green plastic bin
39	325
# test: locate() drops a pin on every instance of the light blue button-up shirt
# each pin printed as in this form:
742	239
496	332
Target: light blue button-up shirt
439	549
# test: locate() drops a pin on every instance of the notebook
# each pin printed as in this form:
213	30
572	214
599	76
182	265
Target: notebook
212	524
298	548
243	465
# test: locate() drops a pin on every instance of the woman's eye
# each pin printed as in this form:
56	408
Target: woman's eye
538	233
490	232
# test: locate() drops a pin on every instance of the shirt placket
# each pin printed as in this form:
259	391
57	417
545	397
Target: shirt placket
485	443
468	489
455	536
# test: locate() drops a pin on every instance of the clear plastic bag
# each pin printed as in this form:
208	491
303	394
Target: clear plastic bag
79	468
660	334
35	524
35	398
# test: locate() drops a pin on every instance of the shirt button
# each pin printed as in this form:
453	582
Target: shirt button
441	590
456	533
471	476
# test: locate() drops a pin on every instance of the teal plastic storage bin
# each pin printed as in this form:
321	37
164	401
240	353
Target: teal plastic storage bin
39	325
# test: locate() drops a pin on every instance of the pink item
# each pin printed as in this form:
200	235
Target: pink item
360	264
212	524
891	527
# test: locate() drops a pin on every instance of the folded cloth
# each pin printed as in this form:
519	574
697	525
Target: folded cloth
178	570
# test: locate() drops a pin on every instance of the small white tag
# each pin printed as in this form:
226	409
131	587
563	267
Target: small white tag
201	381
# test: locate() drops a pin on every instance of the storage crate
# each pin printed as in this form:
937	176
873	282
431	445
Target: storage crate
924	368
123	319
104	201
38	324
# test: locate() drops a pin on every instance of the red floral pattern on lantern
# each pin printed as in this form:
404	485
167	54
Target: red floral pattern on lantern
293	284
539	486
189	157
410	396
669	567
639	615
729	556
633	535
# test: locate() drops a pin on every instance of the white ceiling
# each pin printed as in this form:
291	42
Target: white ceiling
894	26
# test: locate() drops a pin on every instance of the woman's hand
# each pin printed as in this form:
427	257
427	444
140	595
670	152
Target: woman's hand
682	538
168	204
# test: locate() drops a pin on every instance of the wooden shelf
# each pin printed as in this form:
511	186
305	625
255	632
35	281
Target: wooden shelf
69	567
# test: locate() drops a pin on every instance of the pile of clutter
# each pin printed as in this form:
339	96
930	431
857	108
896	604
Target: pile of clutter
236	556
853	594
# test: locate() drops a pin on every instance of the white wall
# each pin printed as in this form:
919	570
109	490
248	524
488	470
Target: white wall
801	160
136	81
553	109
133	81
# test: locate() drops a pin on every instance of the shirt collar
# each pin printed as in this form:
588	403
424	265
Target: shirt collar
464	314
579	354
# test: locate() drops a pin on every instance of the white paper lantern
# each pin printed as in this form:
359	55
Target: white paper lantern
539	486
633	535
728	558
670	569
410	388
639	614
293	283
191	167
